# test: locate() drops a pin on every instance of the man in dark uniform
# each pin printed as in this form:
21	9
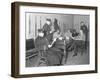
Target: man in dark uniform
47	26
84	28
56	26
72	43
48	53
54	54
41	44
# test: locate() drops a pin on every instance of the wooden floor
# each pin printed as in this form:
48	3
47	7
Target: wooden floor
80	59
77	60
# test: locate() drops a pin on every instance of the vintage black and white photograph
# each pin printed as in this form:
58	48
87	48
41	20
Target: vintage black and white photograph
52	39
56	39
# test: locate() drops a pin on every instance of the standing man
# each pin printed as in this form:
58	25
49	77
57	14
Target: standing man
47	26
84	29
48	31
56	26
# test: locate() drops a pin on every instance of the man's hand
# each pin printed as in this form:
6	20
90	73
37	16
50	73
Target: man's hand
67	38
50	31
54	39
49	46
60	38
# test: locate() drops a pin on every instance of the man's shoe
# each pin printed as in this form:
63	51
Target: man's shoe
75	54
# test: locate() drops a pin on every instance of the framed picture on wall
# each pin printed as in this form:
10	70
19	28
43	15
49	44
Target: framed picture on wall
53	39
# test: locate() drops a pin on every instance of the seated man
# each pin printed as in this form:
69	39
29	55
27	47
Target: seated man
76	41
48	53
58	45
41	44
54	51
